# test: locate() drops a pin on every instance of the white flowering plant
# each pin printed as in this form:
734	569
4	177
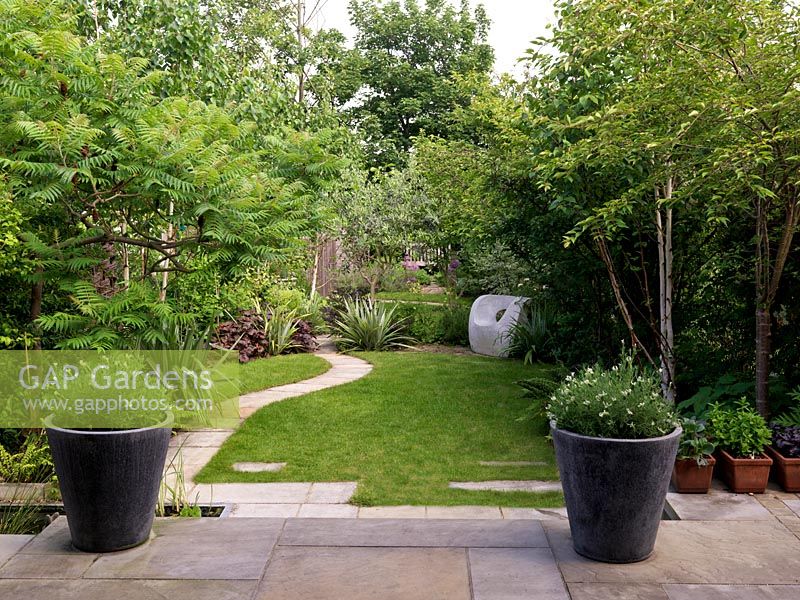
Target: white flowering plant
623	402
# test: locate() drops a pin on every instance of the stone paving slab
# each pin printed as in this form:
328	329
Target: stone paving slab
328	511
251	493
529	513
33	566
54	540
794	506
366	574
235	549
616	591
84	589
11	544
264	511
512	463
273	493
206	438
463	512
507	486
258	467
732	592
717	506
513	573
718	552
391	512
332	493
414	533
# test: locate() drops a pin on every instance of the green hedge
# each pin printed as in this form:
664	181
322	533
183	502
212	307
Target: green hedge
436	324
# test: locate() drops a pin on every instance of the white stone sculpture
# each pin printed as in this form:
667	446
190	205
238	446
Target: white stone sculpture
490	323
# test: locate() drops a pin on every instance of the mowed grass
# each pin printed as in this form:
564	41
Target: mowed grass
415	423
265	373
427	298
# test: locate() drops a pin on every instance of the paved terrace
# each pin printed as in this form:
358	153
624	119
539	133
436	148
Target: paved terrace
403	559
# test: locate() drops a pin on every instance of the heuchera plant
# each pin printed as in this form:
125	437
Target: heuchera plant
786	440
247	335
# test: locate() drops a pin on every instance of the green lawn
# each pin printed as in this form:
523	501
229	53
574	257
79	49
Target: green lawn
412	297
265	373
418	421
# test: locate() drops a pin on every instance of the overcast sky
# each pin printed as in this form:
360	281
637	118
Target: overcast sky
514	24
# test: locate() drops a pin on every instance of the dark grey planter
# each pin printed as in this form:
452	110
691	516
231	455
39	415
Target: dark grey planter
615	492
109	483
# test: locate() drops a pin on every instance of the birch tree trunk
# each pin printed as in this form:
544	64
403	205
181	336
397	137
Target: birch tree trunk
666	339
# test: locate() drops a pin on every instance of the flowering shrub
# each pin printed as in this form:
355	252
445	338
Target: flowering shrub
621	403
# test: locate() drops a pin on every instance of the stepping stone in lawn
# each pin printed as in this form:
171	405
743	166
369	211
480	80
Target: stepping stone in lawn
505	463
507	486
257	467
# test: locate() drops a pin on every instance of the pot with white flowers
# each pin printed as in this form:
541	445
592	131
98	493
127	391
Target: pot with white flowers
616	441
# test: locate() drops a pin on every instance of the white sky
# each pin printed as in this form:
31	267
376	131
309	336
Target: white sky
515	23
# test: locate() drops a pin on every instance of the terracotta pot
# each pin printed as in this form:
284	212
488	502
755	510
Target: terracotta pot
786	470
745	475
690	478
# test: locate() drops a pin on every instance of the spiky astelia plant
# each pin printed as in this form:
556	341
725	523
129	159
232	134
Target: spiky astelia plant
366	325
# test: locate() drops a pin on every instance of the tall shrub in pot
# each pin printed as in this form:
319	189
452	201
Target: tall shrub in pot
616	441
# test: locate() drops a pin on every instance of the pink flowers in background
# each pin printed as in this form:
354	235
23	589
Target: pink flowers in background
410	264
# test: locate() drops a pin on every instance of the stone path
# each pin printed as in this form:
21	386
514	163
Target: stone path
269	499
324	500
391	559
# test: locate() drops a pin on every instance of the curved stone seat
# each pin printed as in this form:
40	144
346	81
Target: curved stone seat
489	335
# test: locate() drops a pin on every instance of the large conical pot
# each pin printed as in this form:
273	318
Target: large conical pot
109	482
615	492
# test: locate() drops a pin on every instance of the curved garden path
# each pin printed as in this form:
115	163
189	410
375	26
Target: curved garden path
312	499
268	499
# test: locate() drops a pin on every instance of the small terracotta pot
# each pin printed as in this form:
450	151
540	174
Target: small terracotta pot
745	475
785	470
690	478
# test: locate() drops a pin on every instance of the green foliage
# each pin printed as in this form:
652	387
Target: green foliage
530	335
494	269
263	373
727	391
364	325
695	442
410	60
377	219
436	324
132	319
623	402
739	430
173	498
538	391
791	418
306	306
32	463
280	326
20	514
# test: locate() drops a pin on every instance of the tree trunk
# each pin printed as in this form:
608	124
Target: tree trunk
763	349
301	69
769	272
37	293
666	333
621	304
167	236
